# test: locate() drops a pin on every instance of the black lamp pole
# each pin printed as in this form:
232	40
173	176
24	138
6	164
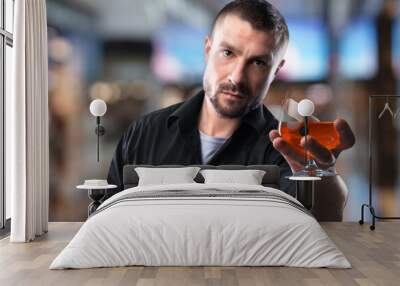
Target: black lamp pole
100	131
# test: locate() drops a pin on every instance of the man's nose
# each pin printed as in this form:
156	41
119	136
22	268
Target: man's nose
238	74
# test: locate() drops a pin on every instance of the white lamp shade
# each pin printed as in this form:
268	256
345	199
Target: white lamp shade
98	107
306	107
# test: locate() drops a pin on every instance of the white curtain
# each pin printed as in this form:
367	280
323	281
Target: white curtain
27	139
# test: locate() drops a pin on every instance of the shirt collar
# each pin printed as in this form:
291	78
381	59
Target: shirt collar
188	113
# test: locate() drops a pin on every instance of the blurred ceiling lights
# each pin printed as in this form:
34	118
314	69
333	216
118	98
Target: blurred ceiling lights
138	19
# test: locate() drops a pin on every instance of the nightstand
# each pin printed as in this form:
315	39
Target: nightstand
96	195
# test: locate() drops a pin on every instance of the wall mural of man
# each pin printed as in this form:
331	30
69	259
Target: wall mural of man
227	123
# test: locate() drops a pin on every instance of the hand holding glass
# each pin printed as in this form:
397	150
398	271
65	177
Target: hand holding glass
292	130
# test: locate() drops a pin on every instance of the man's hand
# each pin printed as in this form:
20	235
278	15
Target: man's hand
322	156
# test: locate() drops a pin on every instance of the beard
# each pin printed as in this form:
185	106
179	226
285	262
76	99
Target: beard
229	107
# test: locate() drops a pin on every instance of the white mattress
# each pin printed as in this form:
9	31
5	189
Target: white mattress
184	230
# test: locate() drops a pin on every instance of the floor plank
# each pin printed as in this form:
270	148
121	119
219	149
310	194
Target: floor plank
374	255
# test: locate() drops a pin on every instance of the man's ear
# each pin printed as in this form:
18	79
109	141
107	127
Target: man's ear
207	47
281	64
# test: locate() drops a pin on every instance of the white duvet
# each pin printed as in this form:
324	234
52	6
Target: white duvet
184	230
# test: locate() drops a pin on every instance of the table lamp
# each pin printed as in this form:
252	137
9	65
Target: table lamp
98	108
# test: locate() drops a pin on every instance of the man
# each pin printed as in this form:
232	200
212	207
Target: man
227	123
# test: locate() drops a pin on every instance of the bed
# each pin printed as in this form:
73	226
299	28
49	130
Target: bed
201	224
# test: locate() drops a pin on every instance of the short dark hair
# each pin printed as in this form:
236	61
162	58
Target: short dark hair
261	15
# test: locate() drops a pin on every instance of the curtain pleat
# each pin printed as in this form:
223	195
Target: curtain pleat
44	199
30	180
15	128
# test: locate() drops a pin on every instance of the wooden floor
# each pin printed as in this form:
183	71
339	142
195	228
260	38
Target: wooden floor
374	255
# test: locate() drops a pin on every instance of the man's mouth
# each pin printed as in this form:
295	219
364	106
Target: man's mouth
233	95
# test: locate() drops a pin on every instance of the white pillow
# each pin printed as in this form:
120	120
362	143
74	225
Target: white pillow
248	177
163	176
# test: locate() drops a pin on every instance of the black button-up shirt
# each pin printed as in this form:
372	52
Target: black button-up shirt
170	136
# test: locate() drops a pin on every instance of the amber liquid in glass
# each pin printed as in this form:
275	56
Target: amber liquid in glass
324	132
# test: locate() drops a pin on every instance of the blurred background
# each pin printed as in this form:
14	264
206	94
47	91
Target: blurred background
140	56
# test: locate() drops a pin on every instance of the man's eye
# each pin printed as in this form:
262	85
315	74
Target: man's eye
260	63
226	53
